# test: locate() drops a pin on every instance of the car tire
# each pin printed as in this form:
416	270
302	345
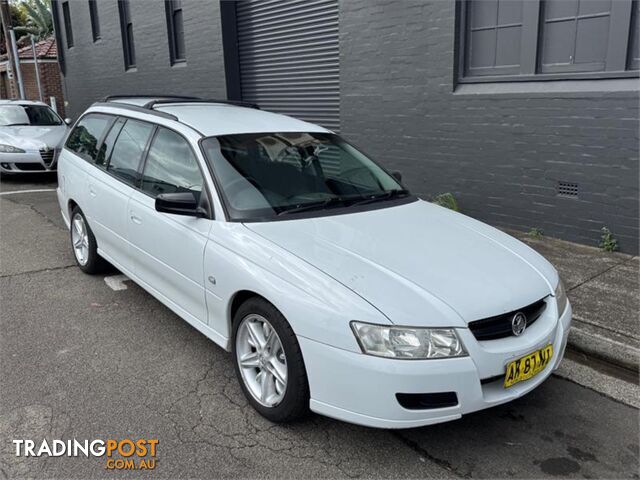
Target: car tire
85	253
291	404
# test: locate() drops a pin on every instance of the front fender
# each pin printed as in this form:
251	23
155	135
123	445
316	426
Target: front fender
316	306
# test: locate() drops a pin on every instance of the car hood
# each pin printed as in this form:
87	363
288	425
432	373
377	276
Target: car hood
33	137
418	263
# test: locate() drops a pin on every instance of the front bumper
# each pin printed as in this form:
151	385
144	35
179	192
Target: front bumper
361	389
28	162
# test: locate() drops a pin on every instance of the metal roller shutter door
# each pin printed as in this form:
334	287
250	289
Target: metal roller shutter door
290	59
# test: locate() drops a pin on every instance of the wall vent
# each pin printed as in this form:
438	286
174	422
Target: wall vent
567	189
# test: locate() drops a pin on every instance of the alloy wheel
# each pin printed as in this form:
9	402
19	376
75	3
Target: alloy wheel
262	361
80	239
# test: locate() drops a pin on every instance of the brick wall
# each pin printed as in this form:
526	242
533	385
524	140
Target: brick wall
50	81
501	154
95	70
52	86
4	85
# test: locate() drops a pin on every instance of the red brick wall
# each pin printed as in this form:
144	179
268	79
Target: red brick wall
4	85
50	81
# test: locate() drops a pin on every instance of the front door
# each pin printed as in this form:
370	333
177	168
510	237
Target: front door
168	249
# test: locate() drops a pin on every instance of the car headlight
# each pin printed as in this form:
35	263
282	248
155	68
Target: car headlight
561	297
407	342
10	149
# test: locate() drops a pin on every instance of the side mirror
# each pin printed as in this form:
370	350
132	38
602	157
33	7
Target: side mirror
182	203
68	121
397	176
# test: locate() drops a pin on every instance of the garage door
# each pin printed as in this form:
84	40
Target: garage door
289	58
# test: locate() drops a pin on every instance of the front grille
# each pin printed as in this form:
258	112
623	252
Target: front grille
47	156
29	167
499	326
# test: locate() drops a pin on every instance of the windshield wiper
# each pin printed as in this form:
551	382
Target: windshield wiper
16	125
329	202
388	195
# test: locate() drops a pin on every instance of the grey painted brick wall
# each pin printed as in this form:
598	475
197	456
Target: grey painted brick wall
97	69
500	154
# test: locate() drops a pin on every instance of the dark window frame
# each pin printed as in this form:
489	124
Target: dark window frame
175	31
68	28
619	48
95	20
126	32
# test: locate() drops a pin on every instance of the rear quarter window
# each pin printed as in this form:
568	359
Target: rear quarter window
86	135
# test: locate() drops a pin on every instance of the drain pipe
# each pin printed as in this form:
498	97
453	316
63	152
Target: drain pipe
18	72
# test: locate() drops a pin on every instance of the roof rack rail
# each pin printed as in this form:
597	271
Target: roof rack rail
238	103
109	98
136	108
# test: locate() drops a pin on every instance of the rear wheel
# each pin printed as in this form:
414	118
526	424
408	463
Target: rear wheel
83	243
268	362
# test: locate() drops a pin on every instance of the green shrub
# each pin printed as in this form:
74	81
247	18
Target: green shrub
446	200
608	242
535	232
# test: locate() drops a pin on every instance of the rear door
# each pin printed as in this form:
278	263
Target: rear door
111	184
169	249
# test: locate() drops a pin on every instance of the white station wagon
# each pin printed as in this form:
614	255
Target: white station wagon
336	289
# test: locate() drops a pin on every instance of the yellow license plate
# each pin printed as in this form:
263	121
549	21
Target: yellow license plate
528	366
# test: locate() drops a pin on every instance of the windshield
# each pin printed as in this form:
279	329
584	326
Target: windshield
280	174
40	115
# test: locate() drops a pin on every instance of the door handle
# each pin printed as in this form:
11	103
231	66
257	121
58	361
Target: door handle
135	219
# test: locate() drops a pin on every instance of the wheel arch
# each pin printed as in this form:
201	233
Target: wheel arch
71	204
237	299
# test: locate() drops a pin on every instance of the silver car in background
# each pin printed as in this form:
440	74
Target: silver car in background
31	135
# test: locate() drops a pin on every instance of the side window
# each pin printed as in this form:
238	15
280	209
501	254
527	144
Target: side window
107	144
171	166
86	135
128	150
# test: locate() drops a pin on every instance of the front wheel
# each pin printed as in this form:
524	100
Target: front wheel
268	362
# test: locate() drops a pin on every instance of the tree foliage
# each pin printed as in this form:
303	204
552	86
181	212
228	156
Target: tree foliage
35	18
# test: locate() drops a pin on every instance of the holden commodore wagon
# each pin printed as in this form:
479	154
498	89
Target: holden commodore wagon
335	288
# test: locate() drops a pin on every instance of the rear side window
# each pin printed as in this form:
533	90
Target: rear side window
171	166
128	149
84	138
